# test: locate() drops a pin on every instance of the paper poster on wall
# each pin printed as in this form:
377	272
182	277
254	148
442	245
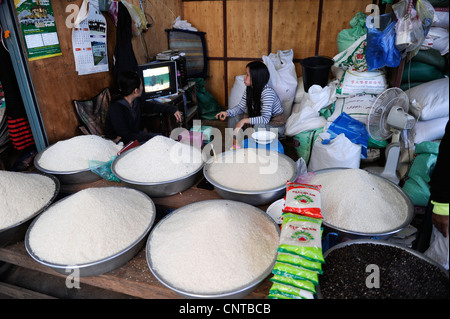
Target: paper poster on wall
37	23
89	39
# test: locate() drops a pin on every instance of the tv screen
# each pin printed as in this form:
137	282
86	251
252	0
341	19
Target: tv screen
159	79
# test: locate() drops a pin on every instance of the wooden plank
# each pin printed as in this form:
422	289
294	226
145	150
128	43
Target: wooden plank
336	17
247	28
207	16
294	26
21	293
134	278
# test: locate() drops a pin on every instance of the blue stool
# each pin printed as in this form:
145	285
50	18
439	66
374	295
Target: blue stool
275	145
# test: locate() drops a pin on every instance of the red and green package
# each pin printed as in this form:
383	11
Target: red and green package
303	199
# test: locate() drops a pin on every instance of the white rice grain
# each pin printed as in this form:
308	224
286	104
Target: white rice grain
74	154
90	225
159	159
212	247
251	170
353	199
22	195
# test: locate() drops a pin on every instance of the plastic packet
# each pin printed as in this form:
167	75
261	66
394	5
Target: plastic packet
103	169
297	283
303	199
302	236
289	292
300	262
294	272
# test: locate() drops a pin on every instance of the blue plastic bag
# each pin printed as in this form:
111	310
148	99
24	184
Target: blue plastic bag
354	130
381	50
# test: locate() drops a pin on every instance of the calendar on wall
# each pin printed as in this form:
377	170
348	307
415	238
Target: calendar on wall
37	23
89	39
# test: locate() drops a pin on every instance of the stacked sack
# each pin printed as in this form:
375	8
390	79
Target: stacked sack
300	258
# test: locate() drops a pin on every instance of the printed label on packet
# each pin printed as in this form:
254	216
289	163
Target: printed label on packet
303	199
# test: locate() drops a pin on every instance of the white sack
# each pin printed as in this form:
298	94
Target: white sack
437	38
431	99
237	91
368	82
357	107
429	130
306	119
339	152
283	77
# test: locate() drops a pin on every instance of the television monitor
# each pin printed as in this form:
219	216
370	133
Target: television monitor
159	79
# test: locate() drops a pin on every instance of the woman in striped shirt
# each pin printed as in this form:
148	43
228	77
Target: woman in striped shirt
259	101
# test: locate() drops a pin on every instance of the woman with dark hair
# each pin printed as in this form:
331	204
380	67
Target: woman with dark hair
124	113
259	101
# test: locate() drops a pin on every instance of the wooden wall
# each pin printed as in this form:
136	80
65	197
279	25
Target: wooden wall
56	82
238	31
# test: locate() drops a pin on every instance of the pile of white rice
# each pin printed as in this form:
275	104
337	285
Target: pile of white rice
353	199
91	225
160	159
250	169
213	246
22	195
74	154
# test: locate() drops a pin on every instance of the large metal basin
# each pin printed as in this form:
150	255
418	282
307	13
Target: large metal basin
16	233
255	198
351	234
83	176
94	268
237	293
158	189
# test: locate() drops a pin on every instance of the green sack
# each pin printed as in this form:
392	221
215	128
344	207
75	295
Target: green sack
347	37
420	72
207	104
304	141
416	185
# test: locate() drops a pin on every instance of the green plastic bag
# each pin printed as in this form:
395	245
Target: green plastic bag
103	169
298	273
304	142
297	283
207	104
300	262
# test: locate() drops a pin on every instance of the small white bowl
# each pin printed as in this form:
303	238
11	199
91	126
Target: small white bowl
275	210
264	137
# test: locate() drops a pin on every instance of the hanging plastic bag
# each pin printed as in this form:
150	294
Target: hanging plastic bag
412	26
283	77
439	248
381	50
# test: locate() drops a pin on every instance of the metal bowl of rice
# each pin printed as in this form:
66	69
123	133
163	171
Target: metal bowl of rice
81	176
16	232
158	188
258	193
101	265
210	262
376	225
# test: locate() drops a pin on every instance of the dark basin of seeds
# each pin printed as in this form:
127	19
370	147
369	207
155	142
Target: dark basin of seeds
402	275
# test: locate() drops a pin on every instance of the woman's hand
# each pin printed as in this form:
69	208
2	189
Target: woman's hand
241	124
177	115
221	115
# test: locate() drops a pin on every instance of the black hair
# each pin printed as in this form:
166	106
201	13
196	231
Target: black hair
260	75
127	81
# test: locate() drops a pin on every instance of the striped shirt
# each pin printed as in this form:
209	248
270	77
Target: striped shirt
270	106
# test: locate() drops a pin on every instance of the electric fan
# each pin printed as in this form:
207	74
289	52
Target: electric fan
388	117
